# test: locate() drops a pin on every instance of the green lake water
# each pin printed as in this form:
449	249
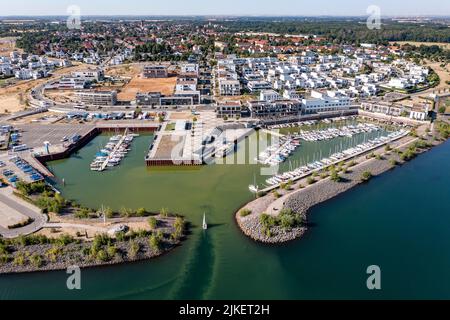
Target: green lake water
399	221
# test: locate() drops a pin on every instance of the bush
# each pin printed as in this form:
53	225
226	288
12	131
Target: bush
336	177
36	260
19	259
370	156
125	212
164	212
54	253
141	212
276	194
366	176
155	243
109	214
310	180
267	221
245	212
179	226
152	222
102	256
82	213
352	164
4	259
135	247
393	162
111	250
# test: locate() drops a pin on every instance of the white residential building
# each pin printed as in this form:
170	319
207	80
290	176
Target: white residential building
320	102
229	87
269	95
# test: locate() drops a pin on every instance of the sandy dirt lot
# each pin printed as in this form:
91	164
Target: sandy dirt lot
138	84
80	232
14	98
7	45
443	73
180	116
61	96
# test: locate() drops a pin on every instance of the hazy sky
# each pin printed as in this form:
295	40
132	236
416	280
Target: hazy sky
224	7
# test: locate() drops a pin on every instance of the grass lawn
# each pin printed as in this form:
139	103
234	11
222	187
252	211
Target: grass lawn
170	127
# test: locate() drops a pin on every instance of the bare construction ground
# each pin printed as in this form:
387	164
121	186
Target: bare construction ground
182	115
8	45
61	96
138	84
14	98
442	72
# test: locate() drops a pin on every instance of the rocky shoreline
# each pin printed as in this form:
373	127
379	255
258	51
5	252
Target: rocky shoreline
37	253
303	196
75	257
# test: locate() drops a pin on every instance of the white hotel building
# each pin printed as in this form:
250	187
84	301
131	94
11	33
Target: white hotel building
321	102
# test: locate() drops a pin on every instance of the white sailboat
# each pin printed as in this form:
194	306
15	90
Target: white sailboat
205	225
254	187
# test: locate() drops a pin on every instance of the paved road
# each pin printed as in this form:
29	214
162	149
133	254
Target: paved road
25	208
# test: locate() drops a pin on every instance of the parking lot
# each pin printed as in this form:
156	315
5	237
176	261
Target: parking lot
34	135
14	169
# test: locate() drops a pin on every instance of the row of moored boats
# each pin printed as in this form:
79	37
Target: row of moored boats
331	133
317	165
113	153
309	123
279	152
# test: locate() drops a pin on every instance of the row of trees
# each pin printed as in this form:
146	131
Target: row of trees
345	30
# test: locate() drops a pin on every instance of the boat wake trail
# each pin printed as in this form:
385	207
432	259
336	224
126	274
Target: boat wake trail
195	279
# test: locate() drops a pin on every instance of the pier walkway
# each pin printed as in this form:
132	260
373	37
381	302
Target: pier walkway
118	145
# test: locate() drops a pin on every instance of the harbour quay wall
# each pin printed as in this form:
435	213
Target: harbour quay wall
172	162
318	116
71	149
84	140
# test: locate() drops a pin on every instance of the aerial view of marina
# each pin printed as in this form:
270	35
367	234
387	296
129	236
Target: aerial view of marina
209	153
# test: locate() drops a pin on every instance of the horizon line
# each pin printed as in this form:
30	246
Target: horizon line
233	15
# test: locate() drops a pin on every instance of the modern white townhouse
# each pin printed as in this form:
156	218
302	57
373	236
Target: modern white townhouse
230	109
275	109
190	68
325	102
89	75
269	95
98	98
255	86
23	74
67	83
400	83
229	87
